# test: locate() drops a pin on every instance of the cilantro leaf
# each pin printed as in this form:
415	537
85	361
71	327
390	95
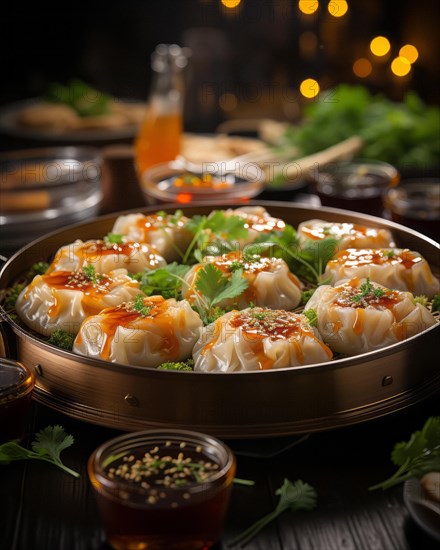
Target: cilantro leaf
90	272
417	456
293	497
47	447
139	305
164	281
215	287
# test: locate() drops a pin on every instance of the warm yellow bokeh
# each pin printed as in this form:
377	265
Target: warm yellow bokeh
230	3
308	6
400	66
362	67
309	88
409	52
380	46
337	8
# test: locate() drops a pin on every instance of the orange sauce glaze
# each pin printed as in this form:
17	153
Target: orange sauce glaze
348	291
258	324
76	280
124	316
337	230
354	257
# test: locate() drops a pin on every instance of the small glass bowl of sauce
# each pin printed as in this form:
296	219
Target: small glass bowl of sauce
357	185
415	203
165	183
162	489
16	385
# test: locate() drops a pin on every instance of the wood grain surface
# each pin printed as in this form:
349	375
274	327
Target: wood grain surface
44	509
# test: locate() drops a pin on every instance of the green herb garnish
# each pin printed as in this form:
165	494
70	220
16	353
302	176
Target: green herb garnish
139	305
11	296
114	238
215	287
416	457
38	268
293	496
90	272
81	97
47	446
367	290
312	317
187	365
62	339
306	295
165	281
422	300
435	303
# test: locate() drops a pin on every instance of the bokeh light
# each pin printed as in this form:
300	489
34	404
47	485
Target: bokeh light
362	67
400	66
380	46
231	4
337	8
409	52
308	6
309	88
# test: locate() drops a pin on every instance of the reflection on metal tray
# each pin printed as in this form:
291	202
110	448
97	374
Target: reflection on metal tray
235	405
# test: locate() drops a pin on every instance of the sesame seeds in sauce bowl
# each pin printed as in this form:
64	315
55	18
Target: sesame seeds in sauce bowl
162	489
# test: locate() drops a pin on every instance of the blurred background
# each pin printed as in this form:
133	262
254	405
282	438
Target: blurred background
249	58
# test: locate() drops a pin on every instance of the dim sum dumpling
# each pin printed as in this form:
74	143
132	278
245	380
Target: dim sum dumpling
257	339
391	267
165	232
349	235
257	221
271	284
105	256
358	316
61	300
158	331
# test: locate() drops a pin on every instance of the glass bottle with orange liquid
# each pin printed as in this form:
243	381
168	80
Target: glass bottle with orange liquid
159	137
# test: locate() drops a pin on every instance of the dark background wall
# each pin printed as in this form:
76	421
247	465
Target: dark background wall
252	52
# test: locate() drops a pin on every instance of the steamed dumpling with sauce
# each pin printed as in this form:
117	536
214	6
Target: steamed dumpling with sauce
165	232
391	267
349	235
106	256
358	316
257	221
143	333
258	339
61	300
270	282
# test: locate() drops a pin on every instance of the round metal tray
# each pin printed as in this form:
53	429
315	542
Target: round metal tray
235	405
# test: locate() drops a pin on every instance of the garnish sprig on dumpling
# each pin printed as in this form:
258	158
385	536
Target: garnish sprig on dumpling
165	281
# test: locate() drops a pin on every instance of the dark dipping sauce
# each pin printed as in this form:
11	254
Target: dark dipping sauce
167	494
16	384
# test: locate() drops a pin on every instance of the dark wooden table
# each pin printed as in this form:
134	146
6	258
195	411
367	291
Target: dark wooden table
42	508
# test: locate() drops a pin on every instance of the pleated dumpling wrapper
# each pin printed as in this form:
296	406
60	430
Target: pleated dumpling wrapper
145	332
257	221
61	300
107	255
358	316
258	339
270	282
348	235
399	269
165	232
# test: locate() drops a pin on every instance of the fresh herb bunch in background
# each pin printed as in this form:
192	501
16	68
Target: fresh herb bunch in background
84	99
399	133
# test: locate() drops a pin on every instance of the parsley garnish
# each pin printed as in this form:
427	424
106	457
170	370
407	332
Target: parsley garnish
139	306
367	290
312	317
293	496
187	365
62	339
389	253
436	303
47	446
423	300
215	287
90	272
416	457
165	281
306	295
114	238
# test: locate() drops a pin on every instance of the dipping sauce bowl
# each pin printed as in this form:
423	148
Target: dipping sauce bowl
162	489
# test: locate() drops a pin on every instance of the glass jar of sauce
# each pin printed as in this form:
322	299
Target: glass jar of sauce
162	489
16	385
